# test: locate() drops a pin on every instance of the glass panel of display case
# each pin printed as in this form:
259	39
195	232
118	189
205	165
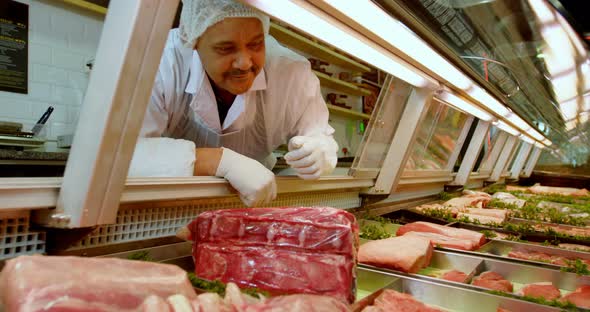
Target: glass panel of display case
383	125
486	150
436	138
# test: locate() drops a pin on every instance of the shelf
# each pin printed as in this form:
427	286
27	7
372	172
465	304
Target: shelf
347	112
340	85
295	40
87	5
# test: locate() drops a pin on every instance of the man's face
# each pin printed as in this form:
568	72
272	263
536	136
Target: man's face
232	53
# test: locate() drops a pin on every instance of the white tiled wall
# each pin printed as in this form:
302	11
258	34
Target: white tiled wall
61	41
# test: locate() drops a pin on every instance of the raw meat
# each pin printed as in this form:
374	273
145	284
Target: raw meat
492	280
544	290
407	254
510	199
281	250
483	219
455	276
500	214
280	271
575	247
32	283
477	238
512	188
468	201
393	301
502	310
312	228
467	193
444	241
523	253
567	191
564	229
297	303
580	297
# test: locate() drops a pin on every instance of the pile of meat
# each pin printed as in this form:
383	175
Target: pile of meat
444	236
471	205
533	255
564	229
539	189
545	290
280	250
40	283
392	301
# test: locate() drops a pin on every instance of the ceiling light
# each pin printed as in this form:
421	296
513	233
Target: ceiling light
376	20
464	106
503	126
488	101
311	20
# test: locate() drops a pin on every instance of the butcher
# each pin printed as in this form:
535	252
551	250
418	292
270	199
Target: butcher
225	96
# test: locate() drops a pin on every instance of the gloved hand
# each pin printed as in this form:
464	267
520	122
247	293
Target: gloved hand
251	179
312	156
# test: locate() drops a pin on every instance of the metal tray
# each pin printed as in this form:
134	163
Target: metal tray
518	273
501	248
446	297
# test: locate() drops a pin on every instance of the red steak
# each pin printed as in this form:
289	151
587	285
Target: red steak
544	290
281	250
455	276
492	280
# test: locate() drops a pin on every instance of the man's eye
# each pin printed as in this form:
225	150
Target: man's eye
256	45
224	50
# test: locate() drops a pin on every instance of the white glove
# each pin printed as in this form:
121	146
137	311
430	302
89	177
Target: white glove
312	156
251	179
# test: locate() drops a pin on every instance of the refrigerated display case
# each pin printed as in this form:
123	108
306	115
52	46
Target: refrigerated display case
460	103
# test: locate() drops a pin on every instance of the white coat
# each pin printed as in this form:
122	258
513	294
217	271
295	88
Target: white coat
284	101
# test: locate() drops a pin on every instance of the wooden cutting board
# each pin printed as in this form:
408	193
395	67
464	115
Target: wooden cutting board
10	127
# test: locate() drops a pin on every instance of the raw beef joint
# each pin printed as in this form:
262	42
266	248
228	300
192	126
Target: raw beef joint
477	238
445	241
281	250
455	276
393	301
544	290
42	283
580	297
492	280
407	254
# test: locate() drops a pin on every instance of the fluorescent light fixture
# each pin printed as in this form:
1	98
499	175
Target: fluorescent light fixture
547	142
464	106
539	145
542	11
488	101
526	139
584	117
313	21
559	53
380	23
503	126
565	86
569	109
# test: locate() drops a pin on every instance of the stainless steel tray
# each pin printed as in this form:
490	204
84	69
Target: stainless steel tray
446	297
501	248
518	273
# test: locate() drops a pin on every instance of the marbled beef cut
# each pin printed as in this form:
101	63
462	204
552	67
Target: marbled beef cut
281	250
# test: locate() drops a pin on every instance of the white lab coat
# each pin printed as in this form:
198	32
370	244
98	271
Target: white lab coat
284	101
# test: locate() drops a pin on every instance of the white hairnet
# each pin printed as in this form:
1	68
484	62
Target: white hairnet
198	15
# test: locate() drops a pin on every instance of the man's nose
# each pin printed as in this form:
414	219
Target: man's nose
243	61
